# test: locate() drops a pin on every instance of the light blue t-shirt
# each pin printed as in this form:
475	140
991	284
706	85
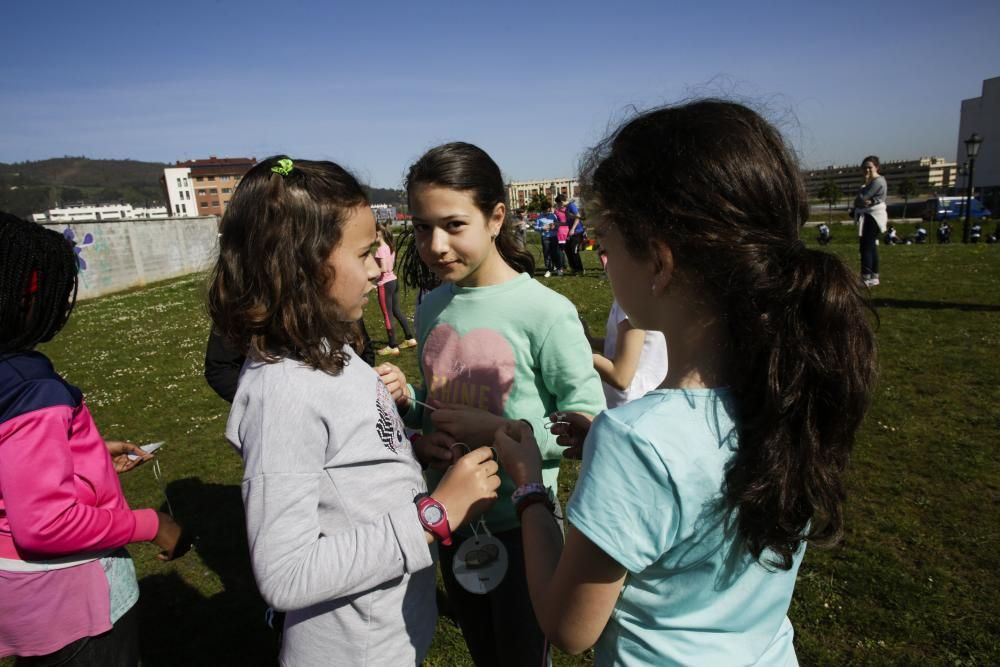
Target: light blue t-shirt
649	495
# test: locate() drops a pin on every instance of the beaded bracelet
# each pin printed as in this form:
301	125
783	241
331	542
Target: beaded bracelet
527	490
534	499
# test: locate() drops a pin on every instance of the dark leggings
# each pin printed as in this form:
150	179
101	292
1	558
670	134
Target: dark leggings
118	647
573	252
388	300
500	627
869	249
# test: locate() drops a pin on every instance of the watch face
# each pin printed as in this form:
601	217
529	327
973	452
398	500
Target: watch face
432	514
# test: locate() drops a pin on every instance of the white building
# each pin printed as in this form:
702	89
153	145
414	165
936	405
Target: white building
383	212
982	115
99	213
180	193
519	192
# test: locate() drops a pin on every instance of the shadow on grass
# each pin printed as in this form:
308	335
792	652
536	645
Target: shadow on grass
179	624
934	305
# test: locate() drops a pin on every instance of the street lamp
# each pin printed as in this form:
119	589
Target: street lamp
972	145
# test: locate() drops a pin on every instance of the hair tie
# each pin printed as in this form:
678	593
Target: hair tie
284	167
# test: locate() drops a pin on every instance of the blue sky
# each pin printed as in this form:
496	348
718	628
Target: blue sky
374	84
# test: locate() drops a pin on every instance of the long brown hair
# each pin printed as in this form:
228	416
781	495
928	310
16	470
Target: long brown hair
717	184
268	292
466	168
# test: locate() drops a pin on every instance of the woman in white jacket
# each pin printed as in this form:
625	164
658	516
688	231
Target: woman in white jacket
871	217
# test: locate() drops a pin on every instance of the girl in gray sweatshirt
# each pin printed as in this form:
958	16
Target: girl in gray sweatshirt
330	480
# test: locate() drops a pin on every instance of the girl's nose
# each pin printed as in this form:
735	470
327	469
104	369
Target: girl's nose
438	243
371	266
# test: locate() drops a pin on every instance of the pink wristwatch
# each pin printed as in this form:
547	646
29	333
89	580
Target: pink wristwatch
433	517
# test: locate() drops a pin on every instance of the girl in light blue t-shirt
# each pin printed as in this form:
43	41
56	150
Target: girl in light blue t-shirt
695	502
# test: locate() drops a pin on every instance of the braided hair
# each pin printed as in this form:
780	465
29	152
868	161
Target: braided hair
38	282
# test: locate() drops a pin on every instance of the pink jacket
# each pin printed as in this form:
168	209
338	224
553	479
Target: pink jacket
59	493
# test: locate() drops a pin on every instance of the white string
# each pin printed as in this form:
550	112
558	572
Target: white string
158	474
421	403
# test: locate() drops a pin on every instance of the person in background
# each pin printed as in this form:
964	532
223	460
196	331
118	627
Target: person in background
630	361
223	363
388	293
870	215
976	232
944	233
824	236
577	237
545	223
562	232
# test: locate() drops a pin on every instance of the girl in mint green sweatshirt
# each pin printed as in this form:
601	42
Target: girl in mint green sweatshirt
494	345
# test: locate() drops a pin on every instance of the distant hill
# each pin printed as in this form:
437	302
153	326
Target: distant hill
32	187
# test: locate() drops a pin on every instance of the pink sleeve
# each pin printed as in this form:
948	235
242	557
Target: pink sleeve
45	515
383	251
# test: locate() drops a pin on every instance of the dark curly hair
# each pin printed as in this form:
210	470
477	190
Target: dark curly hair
717	184
38	283
268	291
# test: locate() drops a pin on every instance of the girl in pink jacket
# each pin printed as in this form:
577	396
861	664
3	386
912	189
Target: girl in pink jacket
67	587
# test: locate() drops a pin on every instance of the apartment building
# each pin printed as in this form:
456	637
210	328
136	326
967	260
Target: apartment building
982	116
931	174
212	182
100	212
519	193
177	186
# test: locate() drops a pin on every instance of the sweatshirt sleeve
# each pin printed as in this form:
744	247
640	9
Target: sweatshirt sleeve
567	368
879	191
46	517
295	564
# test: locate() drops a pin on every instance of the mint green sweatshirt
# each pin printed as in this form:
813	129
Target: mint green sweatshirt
517	350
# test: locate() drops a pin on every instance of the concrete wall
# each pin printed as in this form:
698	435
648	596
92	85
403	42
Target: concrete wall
117	255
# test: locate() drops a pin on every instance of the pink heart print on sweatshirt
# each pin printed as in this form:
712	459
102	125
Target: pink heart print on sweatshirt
476	369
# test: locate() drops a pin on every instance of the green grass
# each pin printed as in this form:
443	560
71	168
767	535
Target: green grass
914	582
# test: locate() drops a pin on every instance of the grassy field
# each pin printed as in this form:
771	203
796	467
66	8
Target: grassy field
914	583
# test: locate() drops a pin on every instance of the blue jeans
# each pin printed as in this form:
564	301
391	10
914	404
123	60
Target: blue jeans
869	249
553	256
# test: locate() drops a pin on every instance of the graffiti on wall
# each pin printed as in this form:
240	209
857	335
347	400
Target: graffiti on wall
78	248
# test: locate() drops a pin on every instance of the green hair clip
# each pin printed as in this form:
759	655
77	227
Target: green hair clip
284	167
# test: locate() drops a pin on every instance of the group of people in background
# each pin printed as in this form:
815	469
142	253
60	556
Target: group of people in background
705	468
563	235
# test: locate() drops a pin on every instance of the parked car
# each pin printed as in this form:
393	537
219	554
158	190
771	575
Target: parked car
953	208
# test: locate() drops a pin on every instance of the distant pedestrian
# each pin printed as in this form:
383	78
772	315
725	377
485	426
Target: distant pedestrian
577	237
824	235
562	231
546	226
976	232
944	233
870	214
388	293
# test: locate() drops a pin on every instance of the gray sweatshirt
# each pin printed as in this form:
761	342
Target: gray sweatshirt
328	486
876	190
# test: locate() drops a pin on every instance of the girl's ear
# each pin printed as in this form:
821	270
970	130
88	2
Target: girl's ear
496	219
663	266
